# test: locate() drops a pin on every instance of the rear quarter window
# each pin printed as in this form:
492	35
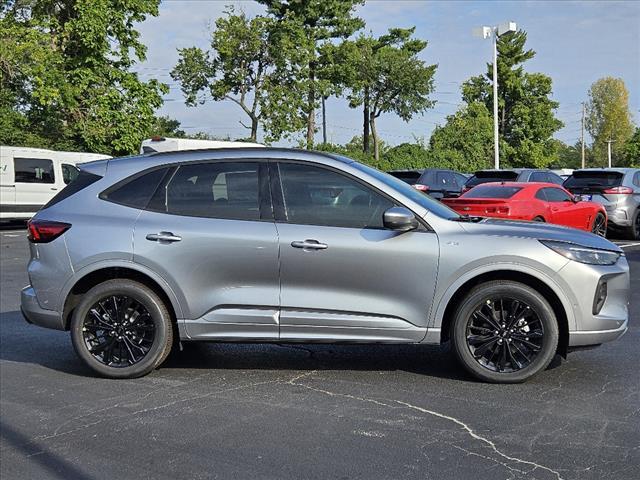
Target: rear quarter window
136	191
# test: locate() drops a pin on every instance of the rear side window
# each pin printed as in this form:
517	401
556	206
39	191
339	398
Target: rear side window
69	173
539	177
137	190
82	181
227	190
408	177
486	177
594	179
636	179
444	180
492	191
33	170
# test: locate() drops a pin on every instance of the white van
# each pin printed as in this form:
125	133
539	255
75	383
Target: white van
30	177
166	144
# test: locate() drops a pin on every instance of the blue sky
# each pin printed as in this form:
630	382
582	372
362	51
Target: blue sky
576	44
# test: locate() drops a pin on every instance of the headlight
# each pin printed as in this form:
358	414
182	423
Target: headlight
578	253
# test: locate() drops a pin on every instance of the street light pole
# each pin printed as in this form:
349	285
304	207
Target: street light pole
495	32
496	138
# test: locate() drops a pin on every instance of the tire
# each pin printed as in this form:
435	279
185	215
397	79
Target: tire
633	232
537	324
539	219
599	226
126	324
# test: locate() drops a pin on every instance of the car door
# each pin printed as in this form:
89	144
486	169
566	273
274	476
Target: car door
35	182
343	276
564	211
209	232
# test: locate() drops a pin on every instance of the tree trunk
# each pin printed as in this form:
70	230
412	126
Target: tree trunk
311	101
374	134
254	128
365	126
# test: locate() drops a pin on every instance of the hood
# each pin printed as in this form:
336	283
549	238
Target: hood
539	231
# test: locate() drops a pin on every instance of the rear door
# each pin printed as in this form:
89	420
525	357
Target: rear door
344	277
209	231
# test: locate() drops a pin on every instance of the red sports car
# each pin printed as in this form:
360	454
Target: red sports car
540	202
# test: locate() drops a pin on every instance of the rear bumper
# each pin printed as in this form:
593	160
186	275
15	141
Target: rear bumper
620	215
33	313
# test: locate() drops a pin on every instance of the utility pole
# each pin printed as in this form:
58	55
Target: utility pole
609	142
496	137
582	141
324	122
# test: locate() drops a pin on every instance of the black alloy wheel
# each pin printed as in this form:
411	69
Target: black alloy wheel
599	225
118	331
504	334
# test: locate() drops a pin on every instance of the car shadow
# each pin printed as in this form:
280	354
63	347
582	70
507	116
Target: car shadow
24	343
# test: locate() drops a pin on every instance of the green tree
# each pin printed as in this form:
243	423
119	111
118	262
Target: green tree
65	74
238	68
303	28
526	117
385	75
609	118
631	150
465	142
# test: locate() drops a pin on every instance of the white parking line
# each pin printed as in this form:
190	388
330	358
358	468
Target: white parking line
625	245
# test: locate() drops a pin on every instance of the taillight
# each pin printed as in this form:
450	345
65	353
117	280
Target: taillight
45	231
500	210
422	188
619	190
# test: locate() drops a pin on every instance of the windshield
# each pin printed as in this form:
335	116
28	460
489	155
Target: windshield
421	199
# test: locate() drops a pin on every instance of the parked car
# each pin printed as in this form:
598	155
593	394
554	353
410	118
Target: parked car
30	177
438	183
167	144
512	175
617	189
539	202
278	245
563	172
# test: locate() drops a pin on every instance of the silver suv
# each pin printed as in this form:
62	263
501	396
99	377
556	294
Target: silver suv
277	245
618	189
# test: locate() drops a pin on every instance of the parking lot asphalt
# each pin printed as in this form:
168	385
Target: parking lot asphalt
293	411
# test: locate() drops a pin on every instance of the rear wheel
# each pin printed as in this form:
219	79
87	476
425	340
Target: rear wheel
538	219
121	329
599	226
504	332
633	232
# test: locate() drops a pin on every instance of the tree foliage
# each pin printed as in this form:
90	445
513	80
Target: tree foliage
609	118
631	150
526	117
65	77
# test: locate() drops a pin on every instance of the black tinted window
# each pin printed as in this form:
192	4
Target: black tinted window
317	196
226	190
486	177
407	177
492	191
539	177
553	178
597	179
556	195
636	179
136	191
33	170
69	173
82	181
444	181
460	179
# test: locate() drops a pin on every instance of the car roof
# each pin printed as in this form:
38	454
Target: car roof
520	184
516	170
613	169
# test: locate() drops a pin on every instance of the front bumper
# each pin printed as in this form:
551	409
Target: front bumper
35	314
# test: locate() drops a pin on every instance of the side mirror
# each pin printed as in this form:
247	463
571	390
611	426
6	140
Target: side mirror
399	219
577	198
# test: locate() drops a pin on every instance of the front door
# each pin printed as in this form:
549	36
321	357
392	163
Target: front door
210	234
564	210
344	277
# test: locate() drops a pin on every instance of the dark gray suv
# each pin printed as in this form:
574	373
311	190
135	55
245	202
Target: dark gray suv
618	189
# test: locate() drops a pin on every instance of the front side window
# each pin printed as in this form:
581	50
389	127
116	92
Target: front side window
69	173
227	190
318	196
33	170
556	195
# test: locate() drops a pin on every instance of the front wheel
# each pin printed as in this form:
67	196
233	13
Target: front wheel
599	226
504	332
121	329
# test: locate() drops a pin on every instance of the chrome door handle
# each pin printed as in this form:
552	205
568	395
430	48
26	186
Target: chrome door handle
310	245
163	237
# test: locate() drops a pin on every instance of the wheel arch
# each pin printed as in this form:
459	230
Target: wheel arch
94	275
550	294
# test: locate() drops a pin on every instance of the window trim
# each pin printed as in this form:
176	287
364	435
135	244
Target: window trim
277	195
